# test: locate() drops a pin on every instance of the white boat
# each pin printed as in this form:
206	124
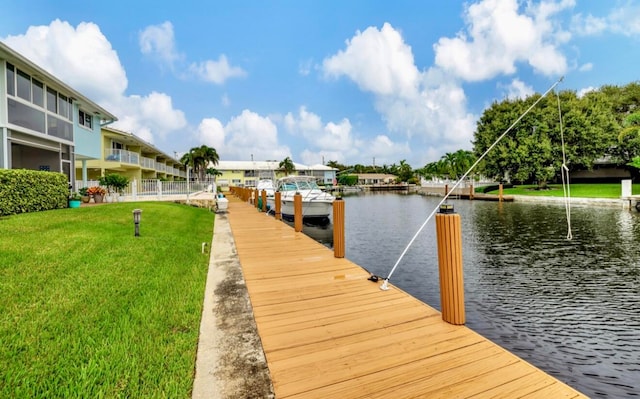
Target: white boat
315	202
268	186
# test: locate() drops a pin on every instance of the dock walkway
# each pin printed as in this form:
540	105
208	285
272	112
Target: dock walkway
328	332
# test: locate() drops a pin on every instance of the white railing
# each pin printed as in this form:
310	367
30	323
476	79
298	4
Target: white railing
160	167
122	156
148	163
155	190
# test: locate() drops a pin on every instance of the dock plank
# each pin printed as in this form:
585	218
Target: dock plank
329	332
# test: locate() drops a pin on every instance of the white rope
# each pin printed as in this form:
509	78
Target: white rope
566	187
384	285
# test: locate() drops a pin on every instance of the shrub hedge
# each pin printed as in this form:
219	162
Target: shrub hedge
24	190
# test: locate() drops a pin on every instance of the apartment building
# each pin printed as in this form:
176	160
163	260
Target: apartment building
44	123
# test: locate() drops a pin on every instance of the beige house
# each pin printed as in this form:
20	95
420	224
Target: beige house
128	155
247	173
367	179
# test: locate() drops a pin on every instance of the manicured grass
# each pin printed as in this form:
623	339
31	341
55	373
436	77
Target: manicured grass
90	311
613	190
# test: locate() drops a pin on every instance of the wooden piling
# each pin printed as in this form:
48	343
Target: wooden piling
278	197
500	196
446	189
450	266
264	200
471	191
297	212
338	228
256	195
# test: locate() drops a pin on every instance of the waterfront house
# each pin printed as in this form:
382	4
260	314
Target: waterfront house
369	179
247	173
126	154
44	123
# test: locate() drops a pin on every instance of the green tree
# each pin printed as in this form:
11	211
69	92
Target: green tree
335	164
199	159
405	172
629	138
213	172
287	166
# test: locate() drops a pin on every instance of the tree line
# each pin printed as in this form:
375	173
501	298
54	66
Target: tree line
602	125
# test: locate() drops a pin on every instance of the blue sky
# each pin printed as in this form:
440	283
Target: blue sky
349	81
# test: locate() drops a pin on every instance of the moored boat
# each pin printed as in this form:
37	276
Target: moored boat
316	204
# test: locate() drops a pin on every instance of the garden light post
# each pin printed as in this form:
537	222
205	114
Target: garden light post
136	221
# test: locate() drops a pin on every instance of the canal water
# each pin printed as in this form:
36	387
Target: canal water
570	307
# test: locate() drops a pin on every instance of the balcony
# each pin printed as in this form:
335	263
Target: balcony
122	156
148	163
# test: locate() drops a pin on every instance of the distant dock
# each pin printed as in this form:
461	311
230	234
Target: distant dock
328	332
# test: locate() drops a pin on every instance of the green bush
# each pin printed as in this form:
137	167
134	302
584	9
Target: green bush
24	190
114	182
348	180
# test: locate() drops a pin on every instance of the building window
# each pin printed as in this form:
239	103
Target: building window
24	86
64	107
52	100
59	128
23	115
11	80
37	91
84	119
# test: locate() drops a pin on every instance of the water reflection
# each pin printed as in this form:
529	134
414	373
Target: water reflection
570	307
320	230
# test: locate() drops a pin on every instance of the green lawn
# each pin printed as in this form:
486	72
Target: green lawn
613	190
90	311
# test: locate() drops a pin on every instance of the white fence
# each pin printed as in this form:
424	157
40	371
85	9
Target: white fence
156	190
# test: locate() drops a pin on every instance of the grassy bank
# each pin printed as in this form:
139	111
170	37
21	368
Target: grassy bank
612	190
89	310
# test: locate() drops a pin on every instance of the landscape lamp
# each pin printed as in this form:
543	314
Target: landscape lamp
136	221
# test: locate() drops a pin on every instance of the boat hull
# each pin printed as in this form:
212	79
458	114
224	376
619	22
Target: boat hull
310	209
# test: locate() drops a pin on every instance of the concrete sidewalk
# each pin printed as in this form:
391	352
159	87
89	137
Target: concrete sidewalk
230	362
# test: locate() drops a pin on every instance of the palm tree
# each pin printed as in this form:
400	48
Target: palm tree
199	158
287	166
214	172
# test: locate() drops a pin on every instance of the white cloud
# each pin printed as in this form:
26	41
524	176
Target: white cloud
498	36
621	20
378	61
387	151
517	89
585	67
153	115
158	41
211	132
83	58
429	105
244	136
588	25
304	67
625	21
331	138
216	71
585	90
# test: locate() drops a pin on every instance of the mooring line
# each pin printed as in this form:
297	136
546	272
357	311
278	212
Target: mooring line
384	285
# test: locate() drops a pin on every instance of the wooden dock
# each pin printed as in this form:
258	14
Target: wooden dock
328	332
